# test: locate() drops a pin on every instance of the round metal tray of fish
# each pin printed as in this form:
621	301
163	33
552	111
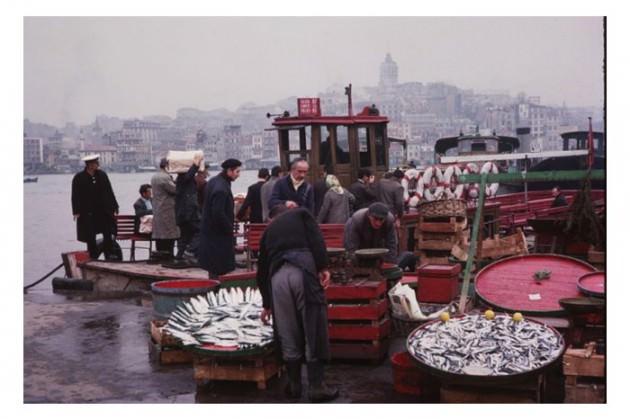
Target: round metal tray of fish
473	349
226	322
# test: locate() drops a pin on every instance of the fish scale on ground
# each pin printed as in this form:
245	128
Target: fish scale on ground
227	318
477	346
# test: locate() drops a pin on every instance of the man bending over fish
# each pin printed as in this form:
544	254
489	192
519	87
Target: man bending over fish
292	275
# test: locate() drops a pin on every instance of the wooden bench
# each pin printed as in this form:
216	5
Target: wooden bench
253	235
126	230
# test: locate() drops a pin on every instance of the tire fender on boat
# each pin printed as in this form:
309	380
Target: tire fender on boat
433	173
450	179
471	168
413	198
491	167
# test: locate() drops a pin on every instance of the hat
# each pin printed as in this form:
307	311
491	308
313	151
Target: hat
398	174
378	210
231	164
91	157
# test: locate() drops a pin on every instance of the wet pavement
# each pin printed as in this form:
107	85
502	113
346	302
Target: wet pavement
78	349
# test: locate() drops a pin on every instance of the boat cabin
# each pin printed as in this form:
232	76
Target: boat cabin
465	145
578	140
340	145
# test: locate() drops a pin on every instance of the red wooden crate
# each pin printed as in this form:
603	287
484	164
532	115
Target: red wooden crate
372	311
437	289
356	290
358	331
359	350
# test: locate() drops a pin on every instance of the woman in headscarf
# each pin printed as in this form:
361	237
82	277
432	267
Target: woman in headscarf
337	205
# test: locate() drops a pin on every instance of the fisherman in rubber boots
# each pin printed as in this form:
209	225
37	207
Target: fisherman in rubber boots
292	275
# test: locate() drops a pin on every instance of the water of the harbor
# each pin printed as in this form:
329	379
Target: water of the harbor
49	229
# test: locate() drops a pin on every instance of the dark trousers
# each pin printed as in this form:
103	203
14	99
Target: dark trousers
95	250
165	245
189	238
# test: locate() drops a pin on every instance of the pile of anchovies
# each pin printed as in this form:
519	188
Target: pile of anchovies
228	318
474	345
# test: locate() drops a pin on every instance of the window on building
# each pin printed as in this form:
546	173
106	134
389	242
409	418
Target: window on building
342	149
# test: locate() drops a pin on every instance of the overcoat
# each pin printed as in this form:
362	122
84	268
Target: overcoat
284	191
93	199
186	202
164	225
216	248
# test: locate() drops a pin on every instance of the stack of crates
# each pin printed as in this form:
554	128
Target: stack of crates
358	321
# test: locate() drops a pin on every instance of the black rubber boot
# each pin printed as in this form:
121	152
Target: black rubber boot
294	387
318	391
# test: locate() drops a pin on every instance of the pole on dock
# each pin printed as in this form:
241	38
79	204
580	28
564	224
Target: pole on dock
472	249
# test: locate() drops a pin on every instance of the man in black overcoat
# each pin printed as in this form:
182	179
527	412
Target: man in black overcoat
253	199
216	248
294	191
94	207
187	210
363	189
292	275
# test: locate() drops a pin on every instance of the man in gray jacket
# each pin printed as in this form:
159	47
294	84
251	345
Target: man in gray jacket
391	193
165	229
375	227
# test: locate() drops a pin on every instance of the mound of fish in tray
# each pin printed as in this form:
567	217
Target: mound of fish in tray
226	318
474	345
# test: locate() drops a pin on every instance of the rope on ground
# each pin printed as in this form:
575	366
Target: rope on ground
43	278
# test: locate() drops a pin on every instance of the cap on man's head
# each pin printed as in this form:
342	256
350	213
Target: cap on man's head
231	164
90	158
378	210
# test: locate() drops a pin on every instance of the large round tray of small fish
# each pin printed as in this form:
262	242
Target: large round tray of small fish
226	322
467	348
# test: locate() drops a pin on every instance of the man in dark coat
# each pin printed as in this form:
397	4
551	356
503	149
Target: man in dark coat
292	275
187	210
216	248
253	200
363	189
94	207
293	191
559	199
143	205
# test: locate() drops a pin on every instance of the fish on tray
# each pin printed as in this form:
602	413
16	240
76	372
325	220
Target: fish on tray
474	345
228	318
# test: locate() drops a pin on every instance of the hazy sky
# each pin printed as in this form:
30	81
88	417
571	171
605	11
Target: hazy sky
76	68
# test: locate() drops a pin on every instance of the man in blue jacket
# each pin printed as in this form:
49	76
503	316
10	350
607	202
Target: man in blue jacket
293	191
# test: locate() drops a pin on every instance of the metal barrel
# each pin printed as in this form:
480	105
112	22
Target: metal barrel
168	294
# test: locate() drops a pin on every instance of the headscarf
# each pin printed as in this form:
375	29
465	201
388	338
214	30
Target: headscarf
333	183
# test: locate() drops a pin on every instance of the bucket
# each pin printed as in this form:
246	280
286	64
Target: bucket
168	294
408	379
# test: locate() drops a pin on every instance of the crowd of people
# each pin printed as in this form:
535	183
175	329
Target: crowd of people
199	214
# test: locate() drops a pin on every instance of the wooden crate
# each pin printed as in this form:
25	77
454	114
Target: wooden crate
166	349
358	320
375	350
585	373
529	391
164	355
258	369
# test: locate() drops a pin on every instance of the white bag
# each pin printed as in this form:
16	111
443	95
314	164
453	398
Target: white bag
146	224
405	305
180	161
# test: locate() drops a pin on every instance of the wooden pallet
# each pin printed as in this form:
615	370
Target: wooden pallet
166	349
585	373
258	369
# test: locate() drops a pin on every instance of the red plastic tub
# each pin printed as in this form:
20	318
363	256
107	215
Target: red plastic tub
408	379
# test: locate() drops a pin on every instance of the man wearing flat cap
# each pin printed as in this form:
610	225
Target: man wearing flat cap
375	227
216	248
94	207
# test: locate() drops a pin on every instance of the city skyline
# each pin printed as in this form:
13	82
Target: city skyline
77	68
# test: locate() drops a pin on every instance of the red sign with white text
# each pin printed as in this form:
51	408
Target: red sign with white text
308	107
